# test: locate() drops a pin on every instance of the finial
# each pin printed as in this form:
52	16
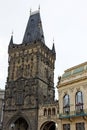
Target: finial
30	11
39	8
53	39
12	33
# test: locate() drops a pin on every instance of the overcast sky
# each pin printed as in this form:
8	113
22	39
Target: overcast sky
63	20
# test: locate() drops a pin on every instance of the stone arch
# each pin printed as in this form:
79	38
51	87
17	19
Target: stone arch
48	125
21	124
17	117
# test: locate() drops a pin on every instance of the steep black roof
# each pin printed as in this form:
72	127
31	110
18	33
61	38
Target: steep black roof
34	31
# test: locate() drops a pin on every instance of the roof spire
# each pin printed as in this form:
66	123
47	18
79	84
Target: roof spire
53	48
39	8
30	11
34	30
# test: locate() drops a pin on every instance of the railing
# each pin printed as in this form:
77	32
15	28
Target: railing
73	114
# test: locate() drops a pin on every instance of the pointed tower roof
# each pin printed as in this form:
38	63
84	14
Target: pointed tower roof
34	30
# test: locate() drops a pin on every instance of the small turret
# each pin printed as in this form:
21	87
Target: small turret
11	41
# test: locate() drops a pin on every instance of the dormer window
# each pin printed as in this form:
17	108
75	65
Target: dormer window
32	22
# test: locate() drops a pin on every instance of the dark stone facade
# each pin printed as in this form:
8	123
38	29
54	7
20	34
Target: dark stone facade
30	80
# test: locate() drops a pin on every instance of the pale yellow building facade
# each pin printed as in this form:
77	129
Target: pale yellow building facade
72	90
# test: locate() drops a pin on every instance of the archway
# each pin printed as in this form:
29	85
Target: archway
19	124
49	125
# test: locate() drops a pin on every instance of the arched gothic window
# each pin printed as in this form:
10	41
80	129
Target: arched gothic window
79	102
53	111
45	112
49	112
66	104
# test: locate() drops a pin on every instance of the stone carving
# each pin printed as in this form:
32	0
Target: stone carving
8	102
19	98
29	100
13	101
27	70
78	89
71	89
19	72
32	100
26	101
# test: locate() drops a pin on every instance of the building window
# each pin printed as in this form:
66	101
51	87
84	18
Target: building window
80	126
79	102
66	104
53	111
66	126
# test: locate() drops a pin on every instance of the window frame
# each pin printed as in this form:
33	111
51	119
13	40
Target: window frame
66	104
79	102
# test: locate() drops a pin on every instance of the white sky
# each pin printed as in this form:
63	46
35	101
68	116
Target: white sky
63	20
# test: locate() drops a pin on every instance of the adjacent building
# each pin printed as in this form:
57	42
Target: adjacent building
72	89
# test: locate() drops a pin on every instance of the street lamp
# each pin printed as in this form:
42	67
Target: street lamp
12	126
56	126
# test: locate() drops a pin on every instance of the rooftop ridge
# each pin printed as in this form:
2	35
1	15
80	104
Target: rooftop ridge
76	66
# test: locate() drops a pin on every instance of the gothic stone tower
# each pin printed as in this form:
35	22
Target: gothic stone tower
30	80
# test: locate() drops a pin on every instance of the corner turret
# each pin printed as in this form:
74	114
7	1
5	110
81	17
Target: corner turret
11	41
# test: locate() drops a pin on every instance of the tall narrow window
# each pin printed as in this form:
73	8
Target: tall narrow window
49	112
79	102
53	111
66	104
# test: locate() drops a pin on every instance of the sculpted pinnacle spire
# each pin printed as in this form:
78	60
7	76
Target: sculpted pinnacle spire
53	48
30	11
11	40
